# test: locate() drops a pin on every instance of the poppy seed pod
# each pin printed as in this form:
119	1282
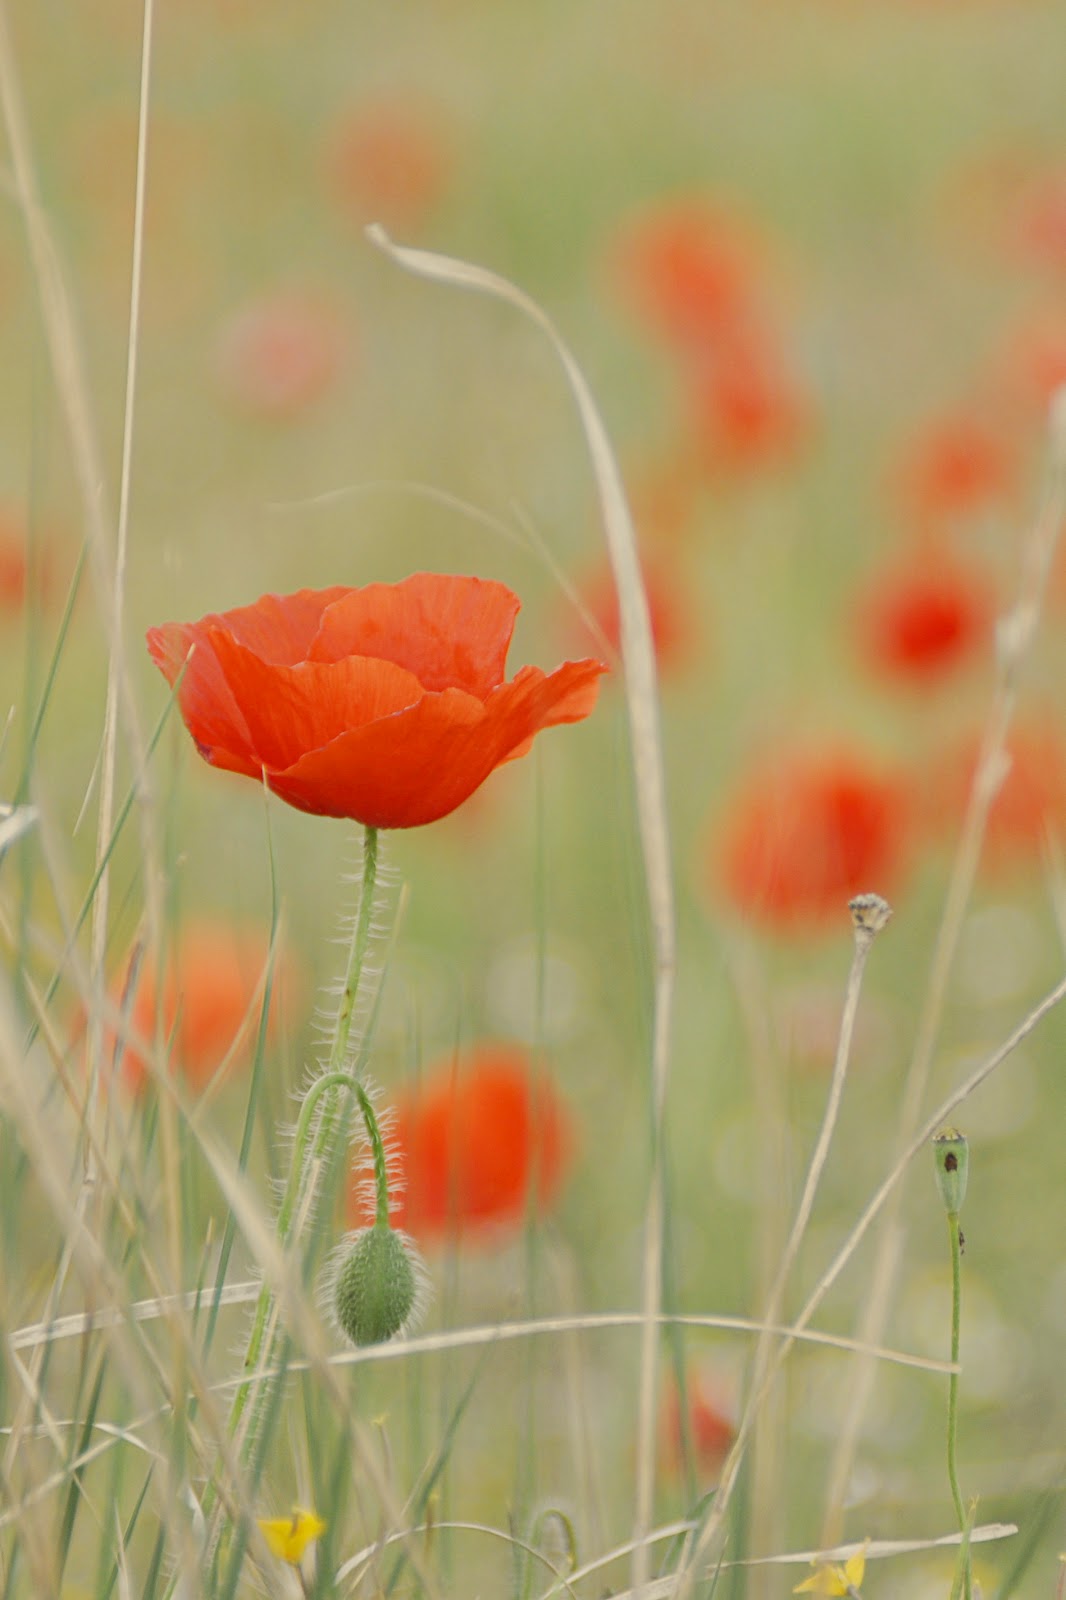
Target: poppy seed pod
378	1287
952	1168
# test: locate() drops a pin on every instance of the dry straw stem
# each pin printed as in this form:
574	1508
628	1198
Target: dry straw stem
749	978
143	1370
356	1566
1016	633
80	1324
72	388
291	1302
178	1375
881	1549
642	701
869	915
878	1202
73	391
876	1550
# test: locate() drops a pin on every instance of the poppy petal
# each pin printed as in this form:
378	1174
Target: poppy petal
452	633
279	627
568	695
405	770
208	706
290	710
386	705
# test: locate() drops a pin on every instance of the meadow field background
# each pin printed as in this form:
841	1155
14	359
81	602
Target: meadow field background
811	260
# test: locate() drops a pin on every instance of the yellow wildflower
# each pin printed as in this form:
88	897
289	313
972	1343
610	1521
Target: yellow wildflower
829	1578
288	1537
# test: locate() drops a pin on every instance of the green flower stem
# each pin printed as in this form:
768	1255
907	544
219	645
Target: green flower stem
377	1150
330	1084
955	1236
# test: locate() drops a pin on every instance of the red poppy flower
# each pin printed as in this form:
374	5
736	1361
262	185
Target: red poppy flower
1030	805
389	162
711	1423
1033	362
663	497
12	575
474	1145
207	1007
745	411
386	704
674	627
921	623
16	566
687	271
956	468
1042	220
280	354
803	836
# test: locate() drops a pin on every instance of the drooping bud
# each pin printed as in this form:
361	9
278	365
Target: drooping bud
952	1167
379	1284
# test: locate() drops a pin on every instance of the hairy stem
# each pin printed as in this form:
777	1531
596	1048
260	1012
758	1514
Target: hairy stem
303	1180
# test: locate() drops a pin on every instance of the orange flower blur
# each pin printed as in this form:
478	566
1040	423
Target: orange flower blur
475	1144
26	570
1028	808
386	704
389	162
13	567
711	1423
279	355
687	271
956	468
209	1004
675	629
806	834
1032	365
1042	220
746	411
922	622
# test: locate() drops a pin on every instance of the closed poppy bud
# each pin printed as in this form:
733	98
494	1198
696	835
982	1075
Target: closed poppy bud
952	1168
379	1284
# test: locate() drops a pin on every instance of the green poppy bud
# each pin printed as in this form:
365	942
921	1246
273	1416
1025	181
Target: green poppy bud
952	1167
378	1286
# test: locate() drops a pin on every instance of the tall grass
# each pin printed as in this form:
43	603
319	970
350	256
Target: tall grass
138	1237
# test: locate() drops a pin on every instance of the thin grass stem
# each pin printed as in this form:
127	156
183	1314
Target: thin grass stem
1016	634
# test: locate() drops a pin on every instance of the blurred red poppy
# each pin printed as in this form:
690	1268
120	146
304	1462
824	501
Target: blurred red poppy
1030	805
674	626
1041	228
280	354
922	622
12	573
663	497
207	1007
474	1145
745	411
956	467
16	575
711	1423
386	704
687	271
389	162
1033	363
805	834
